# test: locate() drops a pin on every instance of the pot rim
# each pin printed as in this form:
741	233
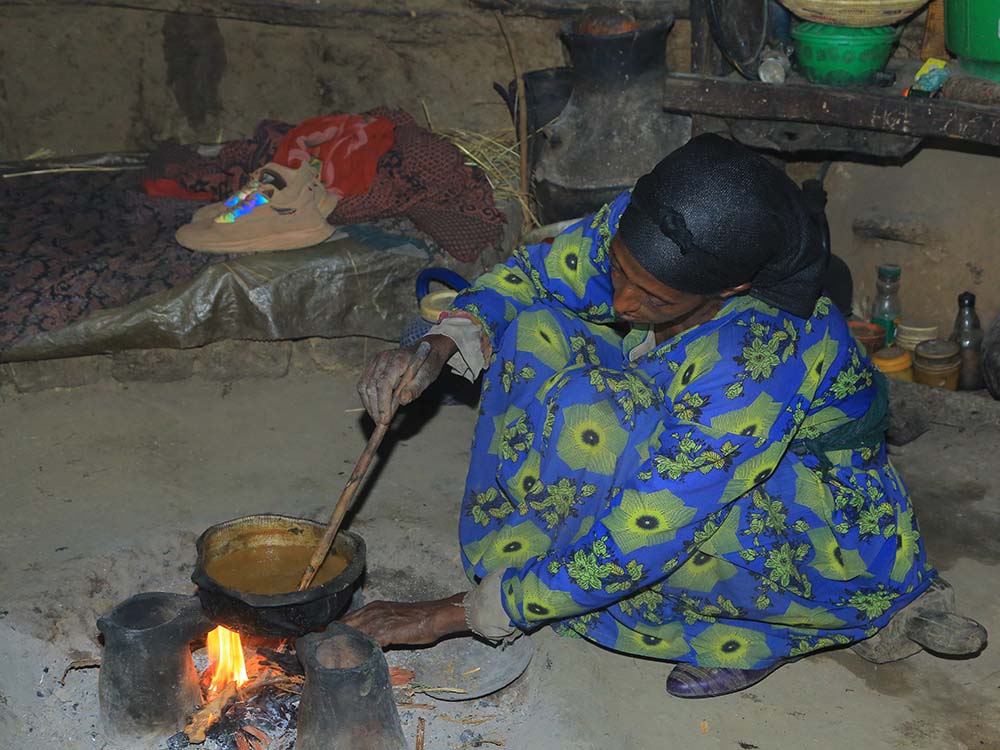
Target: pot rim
664	24
345	579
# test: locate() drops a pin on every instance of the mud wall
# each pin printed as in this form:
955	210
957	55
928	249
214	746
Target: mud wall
936	216
85	78
89	79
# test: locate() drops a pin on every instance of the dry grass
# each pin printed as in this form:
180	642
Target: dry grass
497	154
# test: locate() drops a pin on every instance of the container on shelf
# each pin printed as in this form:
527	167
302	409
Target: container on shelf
840	55
895	363
910	333
869	334
937	363
968	334
856	13
886	307
972	31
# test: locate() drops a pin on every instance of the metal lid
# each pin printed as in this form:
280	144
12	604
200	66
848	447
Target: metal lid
890	271
937	349
917	329
892	359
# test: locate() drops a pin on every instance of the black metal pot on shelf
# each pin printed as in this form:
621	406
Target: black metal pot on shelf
546	92
613	128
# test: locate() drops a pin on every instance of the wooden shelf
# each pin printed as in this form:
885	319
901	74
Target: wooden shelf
875	109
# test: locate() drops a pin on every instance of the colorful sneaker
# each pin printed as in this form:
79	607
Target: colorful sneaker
279	209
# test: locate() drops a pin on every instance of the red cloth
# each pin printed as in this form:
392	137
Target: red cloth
176	171
161	187
344	148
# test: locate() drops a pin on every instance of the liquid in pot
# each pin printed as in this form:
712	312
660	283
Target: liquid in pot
271	569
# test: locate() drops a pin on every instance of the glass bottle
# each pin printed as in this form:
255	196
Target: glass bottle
886	309
968	334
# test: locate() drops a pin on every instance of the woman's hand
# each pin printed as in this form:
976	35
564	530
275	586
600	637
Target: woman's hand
410	624
385	370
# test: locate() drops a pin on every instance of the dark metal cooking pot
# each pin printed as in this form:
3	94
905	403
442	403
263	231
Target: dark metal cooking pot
275	615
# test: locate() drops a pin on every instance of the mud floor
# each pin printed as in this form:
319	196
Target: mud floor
105	487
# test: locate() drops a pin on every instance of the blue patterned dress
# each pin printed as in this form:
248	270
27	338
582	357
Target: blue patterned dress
651	502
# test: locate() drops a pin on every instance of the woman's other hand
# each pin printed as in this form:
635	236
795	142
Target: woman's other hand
410	624
384	372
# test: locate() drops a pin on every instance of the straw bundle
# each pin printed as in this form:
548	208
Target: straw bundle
496	153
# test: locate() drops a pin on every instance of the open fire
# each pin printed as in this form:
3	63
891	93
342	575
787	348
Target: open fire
225	654
233	692
250	692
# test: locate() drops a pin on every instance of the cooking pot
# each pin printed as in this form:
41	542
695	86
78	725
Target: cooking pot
287	615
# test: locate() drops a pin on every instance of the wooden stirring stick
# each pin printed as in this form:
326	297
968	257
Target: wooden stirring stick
360	469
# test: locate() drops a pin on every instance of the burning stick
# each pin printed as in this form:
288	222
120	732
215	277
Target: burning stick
203	719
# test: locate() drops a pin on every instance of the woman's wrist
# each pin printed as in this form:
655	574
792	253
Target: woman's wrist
449	616
442	346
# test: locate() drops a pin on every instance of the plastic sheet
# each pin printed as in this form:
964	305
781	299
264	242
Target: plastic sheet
339	288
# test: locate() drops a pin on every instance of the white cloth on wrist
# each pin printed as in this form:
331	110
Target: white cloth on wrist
468	361
484	612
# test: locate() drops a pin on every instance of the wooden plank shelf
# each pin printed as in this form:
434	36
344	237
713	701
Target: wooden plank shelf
877	109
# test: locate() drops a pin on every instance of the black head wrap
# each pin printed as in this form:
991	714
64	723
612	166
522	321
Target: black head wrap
713	215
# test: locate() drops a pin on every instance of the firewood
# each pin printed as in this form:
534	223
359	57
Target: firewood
399	677
261	735
202	719
79	664
290	683
421	728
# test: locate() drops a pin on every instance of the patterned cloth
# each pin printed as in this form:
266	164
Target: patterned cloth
649	501
426	179
77	243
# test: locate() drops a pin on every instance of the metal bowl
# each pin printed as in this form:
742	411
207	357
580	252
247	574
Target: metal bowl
275	615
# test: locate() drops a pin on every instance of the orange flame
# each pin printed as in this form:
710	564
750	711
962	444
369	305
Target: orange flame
225	651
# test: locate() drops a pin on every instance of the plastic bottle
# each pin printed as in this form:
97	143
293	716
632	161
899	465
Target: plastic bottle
774	65
968	334
886	309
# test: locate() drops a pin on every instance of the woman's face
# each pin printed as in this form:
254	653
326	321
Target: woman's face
640	298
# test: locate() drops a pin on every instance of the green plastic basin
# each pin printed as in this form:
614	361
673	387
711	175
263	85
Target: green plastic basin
842	56
972	31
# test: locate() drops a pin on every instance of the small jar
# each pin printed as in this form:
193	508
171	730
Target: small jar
937	363
870	335
909	334
894	362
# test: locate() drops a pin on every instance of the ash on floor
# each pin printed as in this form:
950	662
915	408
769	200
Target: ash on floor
105	488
